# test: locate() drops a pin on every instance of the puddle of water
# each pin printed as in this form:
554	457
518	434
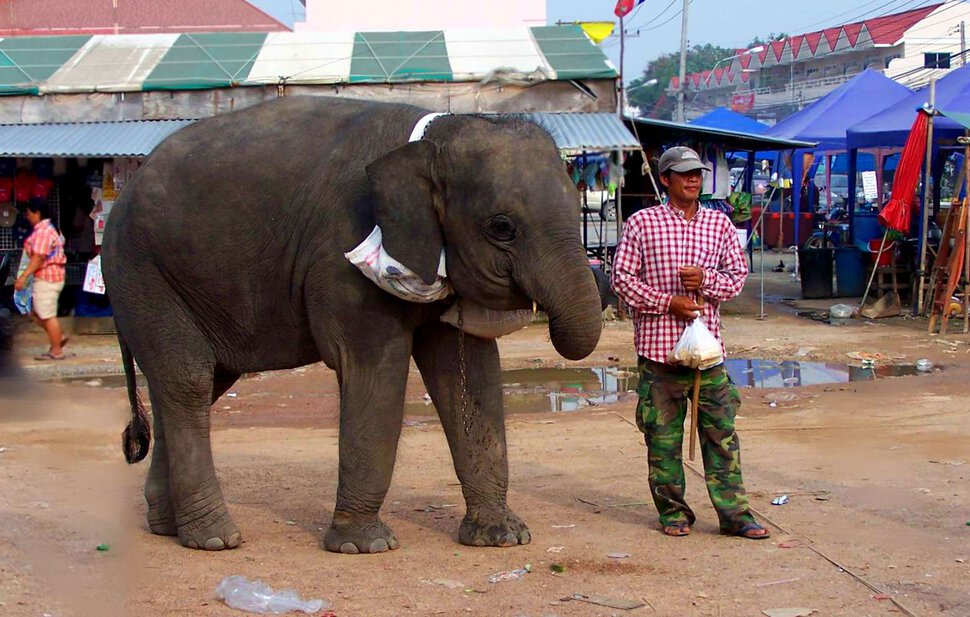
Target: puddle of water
565	390
547	390
101	381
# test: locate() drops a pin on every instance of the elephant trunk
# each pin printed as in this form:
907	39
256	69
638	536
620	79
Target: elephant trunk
566	291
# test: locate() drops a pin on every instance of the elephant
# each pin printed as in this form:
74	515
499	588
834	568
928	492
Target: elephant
225	255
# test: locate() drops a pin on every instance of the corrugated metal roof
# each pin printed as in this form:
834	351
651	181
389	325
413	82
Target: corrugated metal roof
576	132
572	132
127	138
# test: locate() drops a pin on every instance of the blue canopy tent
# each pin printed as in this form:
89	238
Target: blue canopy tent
826	120
891	127
725	119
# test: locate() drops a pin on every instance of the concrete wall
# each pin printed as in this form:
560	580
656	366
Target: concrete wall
459	97
384	15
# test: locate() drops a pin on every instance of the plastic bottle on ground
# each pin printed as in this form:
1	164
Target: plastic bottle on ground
258	597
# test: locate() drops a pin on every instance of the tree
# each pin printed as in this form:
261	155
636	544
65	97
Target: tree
664	67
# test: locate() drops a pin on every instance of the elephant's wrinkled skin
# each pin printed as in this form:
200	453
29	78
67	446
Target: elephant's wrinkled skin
224	255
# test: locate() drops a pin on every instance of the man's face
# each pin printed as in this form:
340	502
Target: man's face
683	186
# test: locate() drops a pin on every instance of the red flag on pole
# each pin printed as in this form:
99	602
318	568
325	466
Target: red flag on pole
623	7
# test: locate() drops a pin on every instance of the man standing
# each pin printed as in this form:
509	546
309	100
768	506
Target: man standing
670	257
45	248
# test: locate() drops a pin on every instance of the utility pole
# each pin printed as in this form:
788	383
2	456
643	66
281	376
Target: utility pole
963	43
622	92
683	64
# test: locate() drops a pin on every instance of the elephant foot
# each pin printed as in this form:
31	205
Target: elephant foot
161	518
493	527
215	531
348	534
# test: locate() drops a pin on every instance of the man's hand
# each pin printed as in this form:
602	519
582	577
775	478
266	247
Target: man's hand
692	277
683	307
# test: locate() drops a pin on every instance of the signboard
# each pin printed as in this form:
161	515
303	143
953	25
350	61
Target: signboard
869	186
742	103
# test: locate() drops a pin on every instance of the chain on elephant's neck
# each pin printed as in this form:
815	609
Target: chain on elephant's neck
462	377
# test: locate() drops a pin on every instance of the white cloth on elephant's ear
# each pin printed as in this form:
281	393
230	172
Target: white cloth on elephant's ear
484	322
394	277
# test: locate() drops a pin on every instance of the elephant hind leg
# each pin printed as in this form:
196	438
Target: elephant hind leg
161	512
181	397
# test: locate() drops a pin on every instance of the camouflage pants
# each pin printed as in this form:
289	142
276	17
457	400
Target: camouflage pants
664	391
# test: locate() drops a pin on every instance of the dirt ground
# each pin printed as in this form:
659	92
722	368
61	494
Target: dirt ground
878	476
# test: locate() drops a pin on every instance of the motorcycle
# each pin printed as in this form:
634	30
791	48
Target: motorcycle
831	229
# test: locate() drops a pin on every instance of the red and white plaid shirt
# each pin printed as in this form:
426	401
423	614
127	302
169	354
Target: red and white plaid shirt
656	242
45	241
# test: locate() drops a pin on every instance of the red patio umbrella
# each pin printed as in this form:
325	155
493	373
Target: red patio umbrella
896	213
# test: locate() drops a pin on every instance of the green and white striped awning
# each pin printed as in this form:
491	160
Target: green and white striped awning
131	63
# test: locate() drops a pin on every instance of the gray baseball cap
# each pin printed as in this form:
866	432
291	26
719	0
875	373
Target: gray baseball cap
681	159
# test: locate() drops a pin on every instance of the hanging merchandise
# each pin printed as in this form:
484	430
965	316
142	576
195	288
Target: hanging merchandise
93	280
99	214
22	299
717	182
741	202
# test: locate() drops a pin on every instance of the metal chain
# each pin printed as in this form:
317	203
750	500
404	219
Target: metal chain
462	377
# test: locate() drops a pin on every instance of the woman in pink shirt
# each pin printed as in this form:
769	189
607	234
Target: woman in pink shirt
45	248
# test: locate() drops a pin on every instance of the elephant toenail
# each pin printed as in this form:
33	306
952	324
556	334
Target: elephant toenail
234	540
214	544
192	544
378	546
349	548
393	544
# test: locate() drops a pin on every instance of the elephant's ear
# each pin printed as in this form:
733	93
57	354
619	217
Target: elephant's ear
408	198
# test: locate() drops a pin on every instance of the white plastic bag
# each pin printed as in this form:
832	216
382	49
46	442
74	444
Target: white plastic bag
697	347
486	323
394	277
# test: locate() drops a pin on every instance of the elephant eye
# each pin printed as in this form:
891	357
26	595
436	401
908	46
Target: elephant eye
501	228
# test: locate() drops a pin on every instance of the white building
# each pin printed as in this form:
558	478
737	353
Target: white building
784	76
397	15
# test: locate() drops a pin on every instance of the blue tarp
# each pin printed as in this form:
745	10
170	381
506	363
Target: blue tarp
826	120
891	126
724	118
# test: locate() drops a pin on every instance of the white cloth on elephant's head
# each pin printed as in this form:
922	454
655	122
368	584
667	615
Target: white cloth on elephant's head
422	126
394	277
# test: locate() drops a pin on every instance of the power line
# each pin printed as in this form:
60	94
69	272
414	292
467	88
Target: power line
654	18
667	21
863	16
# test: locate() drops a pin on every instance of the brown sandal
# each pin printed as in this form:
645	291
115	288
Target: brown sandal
677	530
750	531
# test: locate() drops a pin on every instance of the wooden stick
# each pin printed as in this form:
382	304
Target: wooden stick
695	398
693	411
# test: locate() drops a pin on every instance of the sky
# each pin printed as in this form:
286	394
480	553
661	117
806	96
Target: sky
727	23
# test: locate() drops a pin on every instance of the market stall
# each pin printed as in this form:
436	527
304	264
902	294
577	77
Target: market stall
891	128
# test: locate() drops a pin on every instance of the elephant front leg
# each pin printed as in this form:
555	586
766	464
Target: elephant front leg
373	378
465	385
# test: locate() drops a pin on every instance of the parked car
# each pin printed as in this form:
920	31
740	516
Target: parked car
599	203
840	191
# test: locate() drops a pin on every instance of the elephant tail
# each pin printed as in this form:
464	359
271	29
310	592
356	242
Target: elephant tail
138	434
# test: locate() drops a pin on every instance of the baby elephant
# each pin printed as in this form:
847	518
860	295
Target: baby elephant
225	254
